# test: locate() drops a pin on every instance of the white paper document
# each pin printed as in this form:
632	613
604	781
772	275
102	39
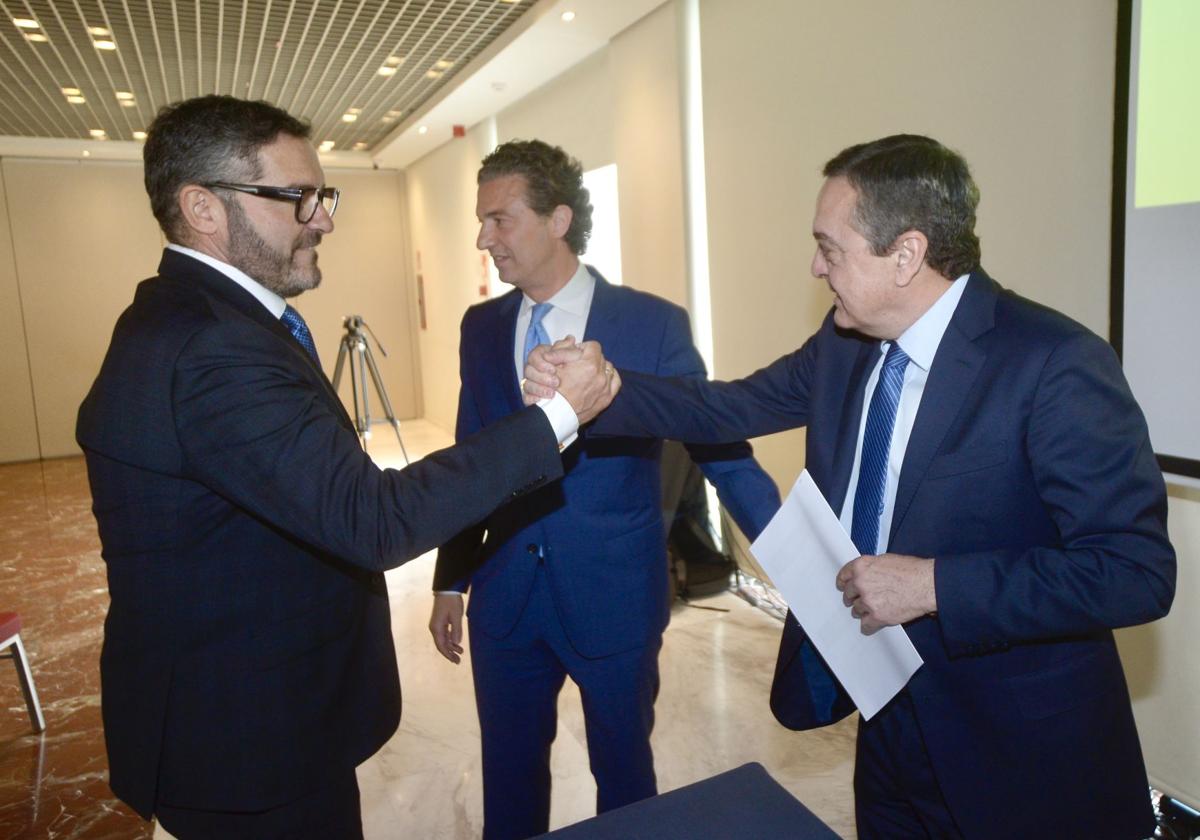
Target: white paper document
801	550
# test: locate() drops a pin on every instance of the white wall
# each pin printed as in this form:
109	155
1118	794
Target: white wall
1024	89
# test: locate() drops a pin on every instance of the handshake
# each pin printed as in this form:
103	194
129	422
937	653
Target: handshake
577	371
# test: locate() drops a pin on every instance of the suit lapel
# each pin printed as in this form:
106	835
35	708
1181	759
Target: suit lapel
602	322
503	343
953	372
851	402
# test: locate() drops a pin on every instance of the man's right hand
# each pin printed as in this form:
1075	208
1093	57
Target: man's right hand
570	369
445	625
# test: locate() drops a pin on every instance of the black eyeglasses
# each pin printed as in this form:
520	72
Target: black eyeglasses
307	199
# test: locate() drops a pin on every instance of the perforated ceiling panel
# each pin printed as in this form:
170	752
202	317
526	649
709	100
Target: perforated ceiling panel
352	68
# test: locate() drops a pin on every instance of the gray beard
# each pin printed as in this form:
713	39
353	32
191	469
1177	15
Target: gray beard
250	253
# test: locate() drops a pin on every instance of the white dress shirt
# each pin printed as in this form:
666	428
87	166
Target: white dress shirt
274	303
920	343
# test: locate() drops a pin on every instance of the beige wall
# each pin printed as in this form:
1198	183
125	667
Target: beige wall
1024	89
82	236
18	425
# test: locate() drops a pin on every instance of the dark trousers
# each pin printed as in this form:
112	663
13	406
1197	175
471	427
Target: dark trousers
329	813
517	681
896	795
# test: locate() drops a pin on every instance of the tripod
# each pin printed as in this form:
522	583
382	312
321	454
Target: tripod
362	362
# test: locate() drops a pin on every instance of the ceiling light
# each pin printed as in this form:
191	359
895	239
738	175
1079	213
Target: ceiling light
387	120
26	23
76	100
422	129
71	91
86	153
36	37
360	145
139	135
124	95
354	110
386	71
98	133
394	60
326	145
433	74
98	31
128	103
104	45
443	64
394	113
568	17
349	117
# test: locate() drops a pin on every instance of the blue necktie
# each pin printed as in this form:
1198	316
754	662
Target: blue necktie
877	441
536	334
296	326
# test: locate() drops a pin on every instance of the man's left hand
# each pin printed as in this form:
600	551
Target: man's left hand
887	589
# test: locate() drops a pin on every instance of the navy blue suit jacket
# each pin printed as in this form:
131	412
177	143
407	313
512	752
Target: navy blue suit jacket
600	529
248	651
1030	478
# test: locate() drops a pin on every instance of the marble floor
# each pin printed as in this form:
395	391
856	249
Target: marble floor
712	711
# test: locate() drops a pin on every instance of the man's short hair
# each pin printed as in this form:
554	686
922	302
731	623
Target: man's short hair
909	182
207	139
552	177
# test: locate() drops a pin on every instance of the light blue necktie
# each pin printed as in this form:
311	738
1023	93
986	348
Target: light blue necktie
296	326
877	441
536	334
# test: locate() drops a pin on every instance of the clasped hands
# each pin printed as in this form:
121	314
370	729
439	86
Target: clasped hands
577	371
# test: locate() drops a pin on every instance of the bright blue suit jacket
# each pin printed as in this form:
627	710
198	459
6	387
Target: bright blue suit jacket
1030	478
600	531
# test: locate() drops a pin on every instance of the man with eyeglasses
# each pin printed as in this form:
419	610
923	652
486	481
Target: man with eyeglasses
248	664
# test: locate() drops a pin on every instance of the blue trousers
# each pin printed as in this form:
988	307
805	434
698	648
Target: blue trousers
517	681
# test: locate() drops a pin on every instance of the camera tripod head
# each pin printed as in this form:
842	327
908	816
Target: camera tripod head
353	323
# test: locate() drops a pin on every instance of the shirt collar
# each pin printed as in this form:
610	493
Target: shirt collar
920	341
575	297
273	302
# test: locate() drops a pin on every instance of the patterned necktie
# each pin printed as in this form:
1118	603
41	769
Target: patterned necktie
877	441
536	334
296	326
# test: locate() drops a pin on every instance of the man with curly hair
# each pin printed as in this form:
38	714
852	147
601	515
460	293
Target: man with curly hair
570	582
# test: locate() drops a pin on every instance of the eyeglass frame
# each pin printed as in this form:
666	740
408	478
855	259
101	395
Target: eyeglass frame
294	194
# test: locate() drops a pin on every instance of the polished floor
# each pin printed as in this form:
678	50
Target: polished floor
712	711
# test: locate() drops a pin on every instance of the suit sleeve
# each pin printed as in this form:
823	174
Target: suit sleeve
457	557
1096	474
255	428
697	410
746	491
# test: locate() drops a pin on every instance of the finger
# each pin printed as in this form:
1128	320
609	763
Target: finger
566	341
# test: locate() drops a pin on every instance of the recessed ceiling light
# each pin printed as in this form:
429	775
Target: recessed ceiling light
349	117
86	153
568	17
26	23
71	91
327	145
104	45
139	135
394	113
360	145
354	110
98	133
36	37
387	120
128	103
422	129
386	71
443	64
394	60
433	74
98	31
76	100
124	95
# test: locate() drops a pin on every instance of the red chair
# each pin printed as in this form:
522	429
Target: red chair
10	637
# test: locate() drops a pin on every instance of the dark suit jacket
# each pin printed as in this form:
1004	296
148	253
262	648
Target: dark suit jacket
248	651
601	528
1029	476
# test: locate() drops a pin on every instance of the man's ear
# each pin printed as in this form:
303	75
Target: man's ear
202	211
909	251
560	221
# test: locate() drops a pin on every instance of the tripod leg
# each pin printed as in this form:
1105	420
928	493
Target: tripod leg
384	401
341	359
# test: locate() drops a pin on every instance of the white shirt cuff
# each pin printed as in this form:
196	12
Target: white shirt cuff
562	419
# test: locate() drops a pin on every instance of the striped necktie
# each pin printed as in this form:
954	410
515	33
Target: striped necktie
877	442
296	326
